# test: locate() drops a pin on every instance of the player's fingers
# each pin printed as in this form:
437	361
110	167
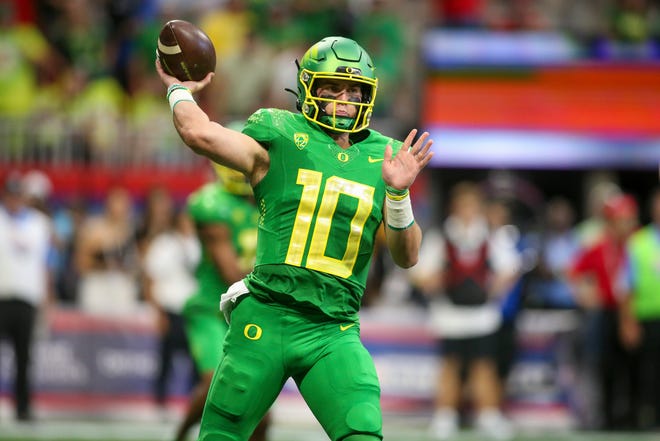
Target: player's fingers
419	145
388	153
208	78
196	86
167	79
159	68
409	139
425	149
424	162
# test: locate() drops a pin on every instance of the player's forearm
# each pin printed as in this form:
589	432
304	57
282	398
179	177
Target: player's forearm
404	245
194	128
404	237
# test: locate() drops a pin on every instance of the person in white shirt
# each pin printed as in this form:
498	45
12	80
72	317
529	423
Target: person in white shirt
106	258
25	282
169	266
464	267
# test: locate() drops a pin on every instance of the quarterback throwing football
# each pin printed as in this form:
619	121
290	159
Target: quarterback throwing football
323	183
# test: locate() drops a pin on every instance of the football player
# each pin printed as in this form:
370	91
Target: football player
323	183
225	219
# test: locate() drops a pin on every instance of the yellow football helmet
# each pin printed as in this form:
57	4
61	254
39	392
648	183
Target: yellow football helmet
233	181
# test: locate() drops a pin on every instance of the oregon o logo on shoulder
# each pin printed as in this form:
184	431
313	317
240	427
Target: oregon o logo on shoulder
252	331
342	156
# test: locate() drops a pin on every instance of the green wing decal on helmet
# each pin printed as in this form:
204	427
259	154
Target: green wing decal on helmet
338	59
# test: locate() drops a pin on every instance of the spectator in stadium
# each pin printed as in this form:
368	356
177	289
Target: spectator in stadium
156	218
168	264
27	57
460	13
106	257
67	221
25	281
143	110
466	268
225	219
228	26
245	89
323	183
640	315
632	21
498	214
558	247
79	29
594	277
599	189
38	189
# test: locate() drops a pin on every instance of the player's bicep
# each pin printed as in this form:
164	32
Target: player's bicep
218	143
233	149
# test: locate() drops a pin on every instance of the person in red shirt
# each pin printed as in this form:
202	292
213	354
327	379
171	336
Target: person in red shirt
594	278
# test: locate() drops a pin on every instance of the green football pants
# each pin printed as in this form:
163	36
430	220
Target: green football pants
267	344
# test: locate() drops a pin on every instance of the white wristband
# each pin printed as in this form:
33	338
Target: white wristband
178	94
399	212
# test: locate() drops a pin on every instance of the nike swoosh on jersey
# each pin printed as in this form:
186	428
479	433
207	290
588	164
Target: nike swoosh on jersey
372	160
342	328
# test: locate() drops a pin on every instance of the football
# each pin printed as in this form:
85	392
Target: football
185	51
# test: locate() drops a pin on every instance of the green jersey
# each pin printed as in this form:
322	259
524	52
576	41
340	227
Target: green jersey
321	207
212	204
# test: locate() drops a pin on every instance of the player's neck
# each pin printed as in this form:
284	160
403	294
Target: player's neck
342	139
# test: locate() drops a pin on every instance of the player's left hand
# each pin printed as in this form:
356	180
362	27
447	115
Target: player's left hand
400	171
193	86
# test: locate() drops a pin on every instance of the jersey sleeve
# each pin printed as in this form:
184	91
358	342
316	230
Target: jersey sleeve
259	127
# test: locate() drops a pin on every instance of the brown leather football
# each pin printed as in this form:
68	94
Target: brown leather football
185	51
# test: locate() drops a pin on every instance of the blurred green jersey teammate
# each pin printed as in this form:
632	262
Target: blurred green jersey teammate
323	183
225	219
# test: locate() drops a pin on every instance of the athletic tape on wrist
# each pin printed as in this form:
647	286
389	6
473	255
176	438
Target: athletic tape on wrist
396	192
177	93
399	211
396	195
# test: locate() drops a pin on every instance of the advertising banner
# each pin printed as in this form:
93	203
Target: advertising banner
107	366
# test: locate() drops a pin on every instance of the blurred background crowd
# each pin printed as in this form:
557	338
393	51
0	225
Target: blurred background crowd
79	74
87	141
